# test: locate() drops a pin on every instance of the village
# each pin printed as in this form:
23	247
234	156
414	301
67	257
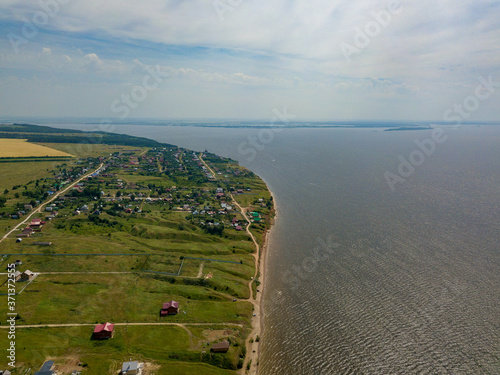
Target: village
154	216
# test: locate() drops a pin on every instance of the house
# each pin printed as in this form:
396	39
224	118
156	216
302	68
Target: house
37	224
238	227
221	347
27	275
46	369
103	331
28	207
130	368
170	308
28	230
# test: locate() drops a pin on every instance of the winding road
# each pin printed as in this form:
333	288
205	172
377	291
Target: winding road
252	345
54	197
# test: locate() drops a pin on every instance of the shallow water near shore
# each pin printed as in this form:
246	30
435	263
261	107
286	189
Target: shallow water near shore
361	279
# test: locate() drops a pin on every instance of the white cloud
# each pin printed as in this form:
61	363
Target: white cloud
92	62
430	51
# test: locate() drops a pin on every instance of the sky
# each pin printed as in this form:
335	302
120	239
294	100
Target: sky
245	59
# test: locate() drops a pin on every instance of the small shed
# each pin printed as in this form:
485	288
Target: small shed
46	369
27	275
221	347
43	243
103	331
130	368
170	308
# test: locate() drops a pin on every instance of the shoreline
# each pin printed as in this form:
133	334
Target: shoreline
254	347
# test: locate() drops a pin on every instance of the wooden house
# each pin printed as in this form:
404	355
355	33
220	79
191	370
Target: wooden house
170	308
103	331
26	275
221	347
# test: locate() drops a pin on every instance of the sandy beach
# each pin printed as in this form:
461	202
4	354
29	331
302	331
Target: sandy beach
253	346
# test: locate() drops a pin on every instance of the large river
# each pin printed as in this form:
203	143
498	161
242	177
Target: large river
362	278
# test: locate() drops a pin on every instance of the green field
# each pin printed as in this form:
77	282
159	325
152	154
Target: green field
22	173
171	347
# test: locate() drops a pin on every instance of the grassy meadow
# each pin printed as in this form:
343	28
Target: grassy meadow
118	260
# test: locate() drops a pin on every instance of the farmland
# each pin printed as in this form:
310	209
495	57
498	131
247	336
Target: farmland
20	148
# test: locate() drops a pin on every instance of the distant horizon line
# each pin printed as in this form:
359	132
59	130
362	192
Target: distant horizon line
212	120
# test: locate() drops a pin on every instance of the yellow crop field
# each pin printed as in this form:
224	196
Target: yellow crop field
19	148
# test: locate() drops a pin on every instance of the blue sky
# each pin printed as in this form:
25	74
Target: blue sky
322	60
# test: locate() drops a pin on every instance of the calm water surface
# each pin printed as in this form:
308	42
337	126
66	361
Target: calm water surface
365	280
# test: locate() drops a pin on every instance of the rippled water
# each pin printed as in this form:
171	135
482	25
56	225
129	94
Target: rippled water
364	280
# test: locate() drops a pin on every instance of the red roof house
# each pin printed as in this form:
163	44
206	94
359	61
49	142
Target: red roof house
37	224
103	331
170	308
